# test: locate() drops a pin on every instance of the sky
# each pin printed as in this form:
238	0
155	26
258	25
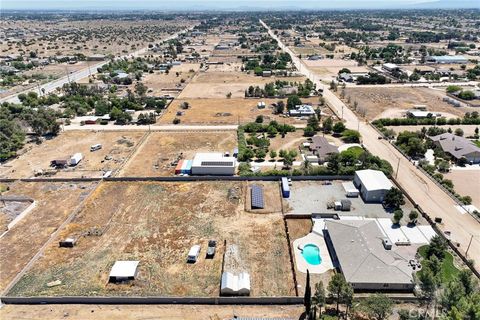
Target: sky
191	5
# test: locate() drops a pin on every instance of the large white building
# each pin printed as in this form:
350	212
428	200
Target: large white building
214	163
372	184
302	110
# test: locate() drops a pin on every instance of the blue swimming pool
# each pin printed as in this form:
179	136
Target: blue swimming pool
311	253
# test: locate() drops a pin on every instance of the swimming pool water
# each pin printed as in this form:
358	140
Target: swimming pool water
311	253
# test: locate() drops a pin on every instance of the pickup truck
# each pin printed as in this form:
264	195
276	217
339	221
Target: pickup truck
212	244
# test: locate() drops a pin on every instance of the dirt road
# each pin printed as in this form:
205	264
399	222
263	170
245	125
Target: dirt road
464	228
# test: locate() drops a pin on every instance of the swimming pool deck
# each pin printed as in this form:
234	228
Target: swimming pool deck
302	264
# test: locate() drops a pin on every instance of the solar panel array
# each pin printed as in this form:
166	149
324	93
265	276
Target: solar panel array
217	163
257	197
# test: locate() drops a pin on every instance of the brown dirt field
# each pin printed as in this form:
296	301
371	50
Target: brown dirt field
54	202
225	111
145	312
157	152
271	194
157	223
161	83
218	81
116	144
467	183
378	100
298	228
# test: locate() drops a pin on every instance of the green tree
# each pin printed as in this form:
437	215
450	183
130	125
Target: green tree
293	101
313	123
377	306
351	136
413	216
319	297
259	119
437	247
394	198
328	125
308	131
339	127
336	289
307	298
397	216
273	154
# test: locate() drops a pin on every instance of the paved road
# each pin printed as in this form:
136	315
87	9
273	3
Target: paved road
433	200
80	74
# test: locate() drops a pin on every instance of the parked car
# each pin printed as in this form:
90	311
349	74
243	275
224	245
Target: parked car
212	244
193	254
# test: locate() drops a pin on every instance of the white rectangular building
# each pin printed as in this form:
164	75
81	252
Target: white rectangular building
235	285
372	184
123	271
214	163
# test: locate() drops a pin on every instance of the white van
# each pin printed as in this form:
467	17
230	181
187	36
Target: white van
193	254
95	147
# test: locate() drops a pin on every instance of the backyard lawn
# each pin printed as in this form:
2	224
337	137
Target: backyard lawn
448	271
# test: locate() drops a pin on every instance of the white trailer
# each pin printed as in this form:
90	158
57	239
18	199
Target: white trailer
193	253
75	159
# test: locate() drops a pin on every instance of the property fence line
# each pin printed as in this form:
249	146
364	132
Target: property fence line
186	179
288	300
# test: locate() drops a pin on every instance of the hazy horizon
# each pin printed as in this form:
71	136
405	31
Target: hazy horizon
202	5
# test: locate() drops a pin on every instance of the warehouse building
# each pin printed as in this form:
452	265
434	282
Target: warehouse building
372	184
214	163
447	59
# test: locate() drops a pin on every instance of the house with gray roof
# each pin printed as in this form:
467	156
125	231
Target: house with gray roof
367	259
322	148
457	147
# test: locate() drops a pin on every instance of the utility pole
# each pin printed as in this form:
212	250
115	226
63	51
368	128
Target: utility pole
468	248
68	74
398	167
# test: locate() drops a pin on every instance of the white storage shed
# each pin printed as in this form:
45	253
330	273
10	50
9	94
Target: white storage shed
372	184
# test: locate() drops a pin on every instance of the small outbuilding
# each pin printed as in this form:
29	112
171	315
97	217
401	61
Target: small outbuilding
350	190
235	285
123	271
67	243
372	184
213	164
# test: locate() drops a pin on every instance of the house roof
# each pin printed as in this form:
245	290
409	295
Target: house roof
124	269
322	147
362	256
455	145
373	180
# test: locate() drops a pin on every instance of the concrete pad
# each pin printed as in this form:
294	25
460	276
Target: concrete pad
414	235
394	233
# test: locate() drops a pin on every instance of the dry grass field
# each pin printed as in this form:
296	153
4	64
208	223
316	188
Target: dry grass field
226	111
220	80
161	83
53	203
467	183
382	103
117	145
157	223
157	152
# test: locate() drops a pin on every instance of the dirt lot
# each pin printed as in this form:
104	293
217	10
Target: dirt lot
131	312
161	83
54	202
157	152
378	102
117	145
157	223
218	81
271	194
298	228
328	68
467	183
225	111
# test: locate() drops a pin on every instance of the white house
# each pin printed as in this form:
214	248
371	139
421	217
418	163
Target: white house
302	110
372	184
214	163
